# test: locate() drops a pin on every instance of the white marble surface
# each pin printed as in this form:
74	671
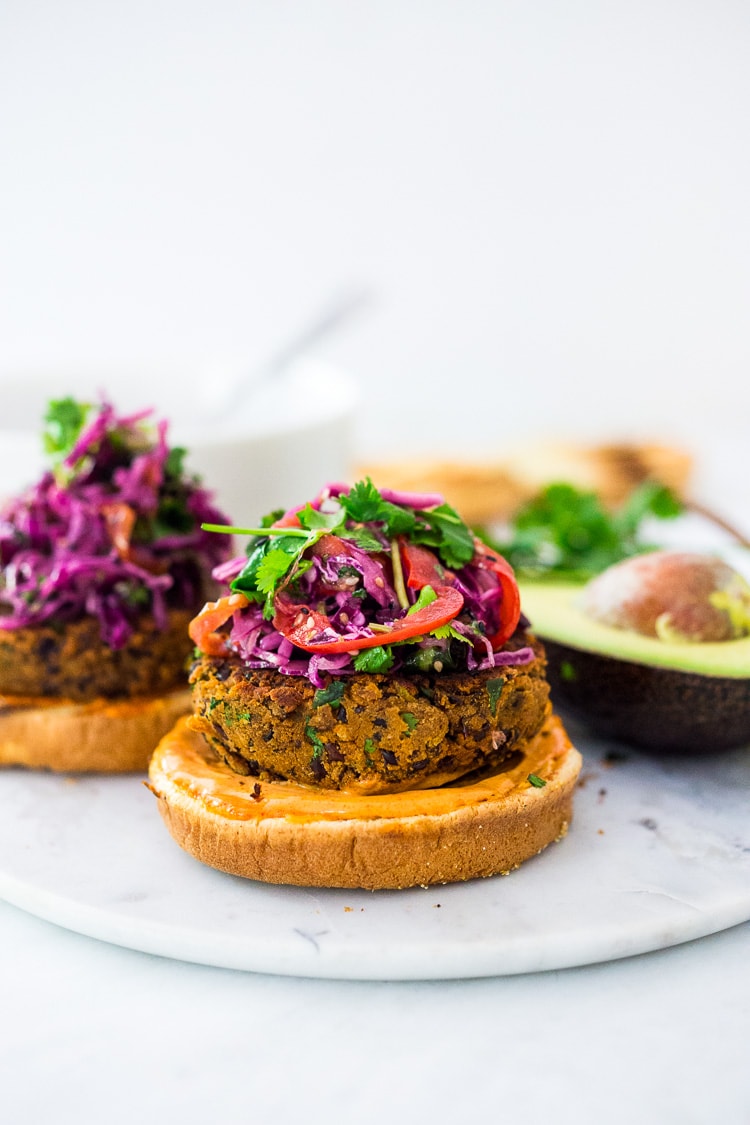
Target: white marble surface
658	854
550	204
90	1030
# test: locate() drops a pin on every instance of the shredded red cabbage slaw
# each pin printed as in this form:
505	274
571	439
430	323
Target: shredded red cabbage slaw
342	596
113	532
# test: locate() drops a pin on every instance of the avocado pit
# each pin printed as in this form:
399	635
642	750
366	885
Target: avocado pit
679	685
672	595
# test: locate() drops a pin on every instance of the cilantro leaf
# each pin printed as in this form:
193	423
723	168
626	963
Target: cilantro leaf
174	464
314	520
444	531
317	742
648	499
64	420
363	502
457	546
443	632
426	597
363	538
569	532
173	515
377	659
398	520
332	694
274	566
440	528
269	562
494	691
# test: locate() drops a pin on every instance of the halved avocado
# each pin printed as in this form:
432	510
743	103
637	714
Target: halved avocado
662	696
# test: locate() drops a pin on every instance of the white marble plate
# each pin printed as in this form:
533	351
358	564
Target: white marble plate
659	853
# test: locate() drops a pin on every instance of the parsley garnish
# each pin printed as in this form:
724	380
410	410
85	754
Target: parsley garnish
537	782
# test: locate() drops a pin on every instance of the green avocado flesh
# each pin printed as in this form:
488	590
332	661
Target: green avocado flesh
664	697
552	609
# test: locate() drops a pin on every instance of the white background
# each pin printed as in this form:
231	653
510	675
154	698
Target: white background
548	202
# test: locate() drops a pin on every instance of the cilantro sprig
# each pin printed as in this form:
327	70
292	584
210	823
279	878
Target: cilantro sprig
568	532
270	562
440	528
362	516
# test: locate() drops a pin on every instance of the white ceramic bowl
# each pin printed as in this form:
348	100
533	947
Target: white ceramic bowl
292	434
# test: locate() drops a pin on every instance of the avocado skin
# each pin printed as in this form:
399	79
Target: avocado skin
659	709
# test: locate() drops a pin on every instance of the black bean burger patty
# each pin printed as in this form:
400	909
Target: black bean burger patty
70	661
369	732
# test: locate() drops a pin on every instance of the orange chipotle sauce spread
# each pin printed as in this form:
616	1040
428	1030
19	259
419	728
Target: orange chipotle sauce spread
183	758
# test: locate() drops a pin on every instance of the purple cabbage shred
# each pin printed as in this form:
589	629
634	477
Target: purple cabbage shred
354	588
112	533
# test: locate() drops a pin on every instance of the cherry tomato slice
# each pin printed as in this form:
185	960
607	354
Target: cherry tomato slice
307	624
202	629
289	519
421	566
329	545
119	519
510	604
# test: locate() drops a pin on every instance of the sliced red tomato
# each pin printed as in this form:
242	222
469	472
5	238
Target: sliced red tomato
510	604
326	547
302	627
119	519
329	545
421	566
292	619
202	630
289	519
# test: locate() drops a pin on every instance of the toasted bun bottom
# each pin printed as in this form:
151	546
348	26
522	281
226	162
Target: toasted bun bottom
103	736
282	832
486	490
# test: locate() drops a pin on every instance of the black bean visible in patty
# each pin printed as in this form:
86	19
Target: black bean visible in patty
70	660
370	732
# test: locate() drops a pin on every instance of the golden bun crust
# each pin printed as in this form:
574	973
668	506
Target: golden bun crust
282	832
494	488
103	736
